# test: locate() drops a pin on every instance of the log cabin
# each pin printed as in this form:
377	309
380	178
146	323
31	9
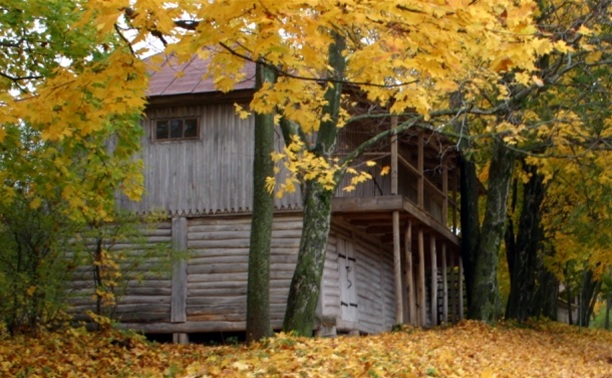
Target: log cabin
393	253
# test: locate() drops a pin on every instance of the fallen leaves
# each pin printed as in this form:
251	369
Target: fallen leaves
470	349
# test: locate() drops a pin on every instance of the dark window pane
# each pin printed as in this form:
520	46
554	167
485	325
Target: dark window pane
191	128
176	129
161	131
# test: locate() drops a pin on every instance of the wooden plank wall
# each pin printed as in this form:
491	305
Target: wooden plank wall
374	281
216	277
148	287
218	266
209	175
330	290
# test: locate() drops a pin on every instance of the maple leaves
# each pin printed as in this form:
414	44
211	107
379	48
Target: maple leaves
469	349
64	96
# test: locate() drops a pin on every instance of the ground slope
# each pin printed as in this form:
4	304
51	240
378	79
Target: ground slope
470	349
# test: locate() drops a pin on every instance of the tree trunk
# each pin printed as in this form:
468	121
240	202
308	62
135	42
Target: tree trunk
588	296
470	227
546	294
569	297
258	286
608	308
469	189
485	301
523	259
305	285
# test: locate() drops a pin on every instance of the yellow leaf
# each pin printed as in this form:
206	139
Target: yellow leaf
584	30
539	82
242	113
35	203
593	57
30	291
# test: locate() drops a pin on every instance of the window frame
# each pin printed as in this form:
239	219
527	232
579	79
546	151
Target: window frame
169	139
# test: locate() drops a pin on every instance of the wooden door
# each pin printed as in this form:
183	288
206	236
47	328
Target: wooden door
348	284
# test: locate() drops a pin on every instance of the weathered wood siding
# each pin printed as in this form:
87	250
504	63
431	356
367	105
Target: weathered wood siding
218	265
209	175
358	282
144	288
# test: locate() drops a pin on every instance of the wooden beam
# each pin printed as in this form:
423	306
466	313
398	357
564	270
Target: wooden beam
421	289
421	179
434	281
178	304
444	285
357	204
397	265
429	221
406	164
187	327
410	275
371	208
455	183
445	194
394	166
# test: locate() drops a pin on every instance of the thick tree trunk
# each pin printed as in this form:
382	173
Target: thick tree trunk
588	296
547	292
523	259
470	227
258	286
485	303
469	189
305	285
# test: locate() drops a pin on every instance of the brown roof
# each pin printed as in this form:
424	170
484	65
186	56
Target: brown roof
168	81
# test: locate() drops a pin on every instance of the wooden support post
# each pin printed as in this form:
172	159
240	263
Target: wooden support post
444	285
394	164
455	184
455	289
434	281
178	309
445	194
460	288
397	265
421	169
422	294
412	316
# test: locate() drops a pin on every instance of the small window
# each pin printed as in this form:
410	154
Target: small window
177	129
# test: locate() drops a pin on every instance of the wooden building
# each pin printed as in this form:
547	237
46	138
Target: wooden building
392	255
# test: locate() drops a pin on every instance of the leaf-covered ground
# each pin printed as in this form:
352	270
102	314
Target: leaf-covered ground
470	349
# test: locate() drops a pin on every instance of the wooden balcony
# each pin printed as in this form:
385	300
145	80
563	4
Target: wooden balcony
414	212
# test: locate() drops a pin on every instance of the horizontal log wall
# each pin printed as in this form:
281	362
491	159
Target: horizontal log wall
216	278
144	287
218	265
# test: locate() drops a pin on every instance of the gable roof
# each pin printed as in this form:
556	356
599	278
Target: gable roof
174	78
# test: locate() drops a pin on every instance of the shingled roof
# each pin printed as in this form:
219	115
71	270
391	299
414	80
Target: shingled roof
168	81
